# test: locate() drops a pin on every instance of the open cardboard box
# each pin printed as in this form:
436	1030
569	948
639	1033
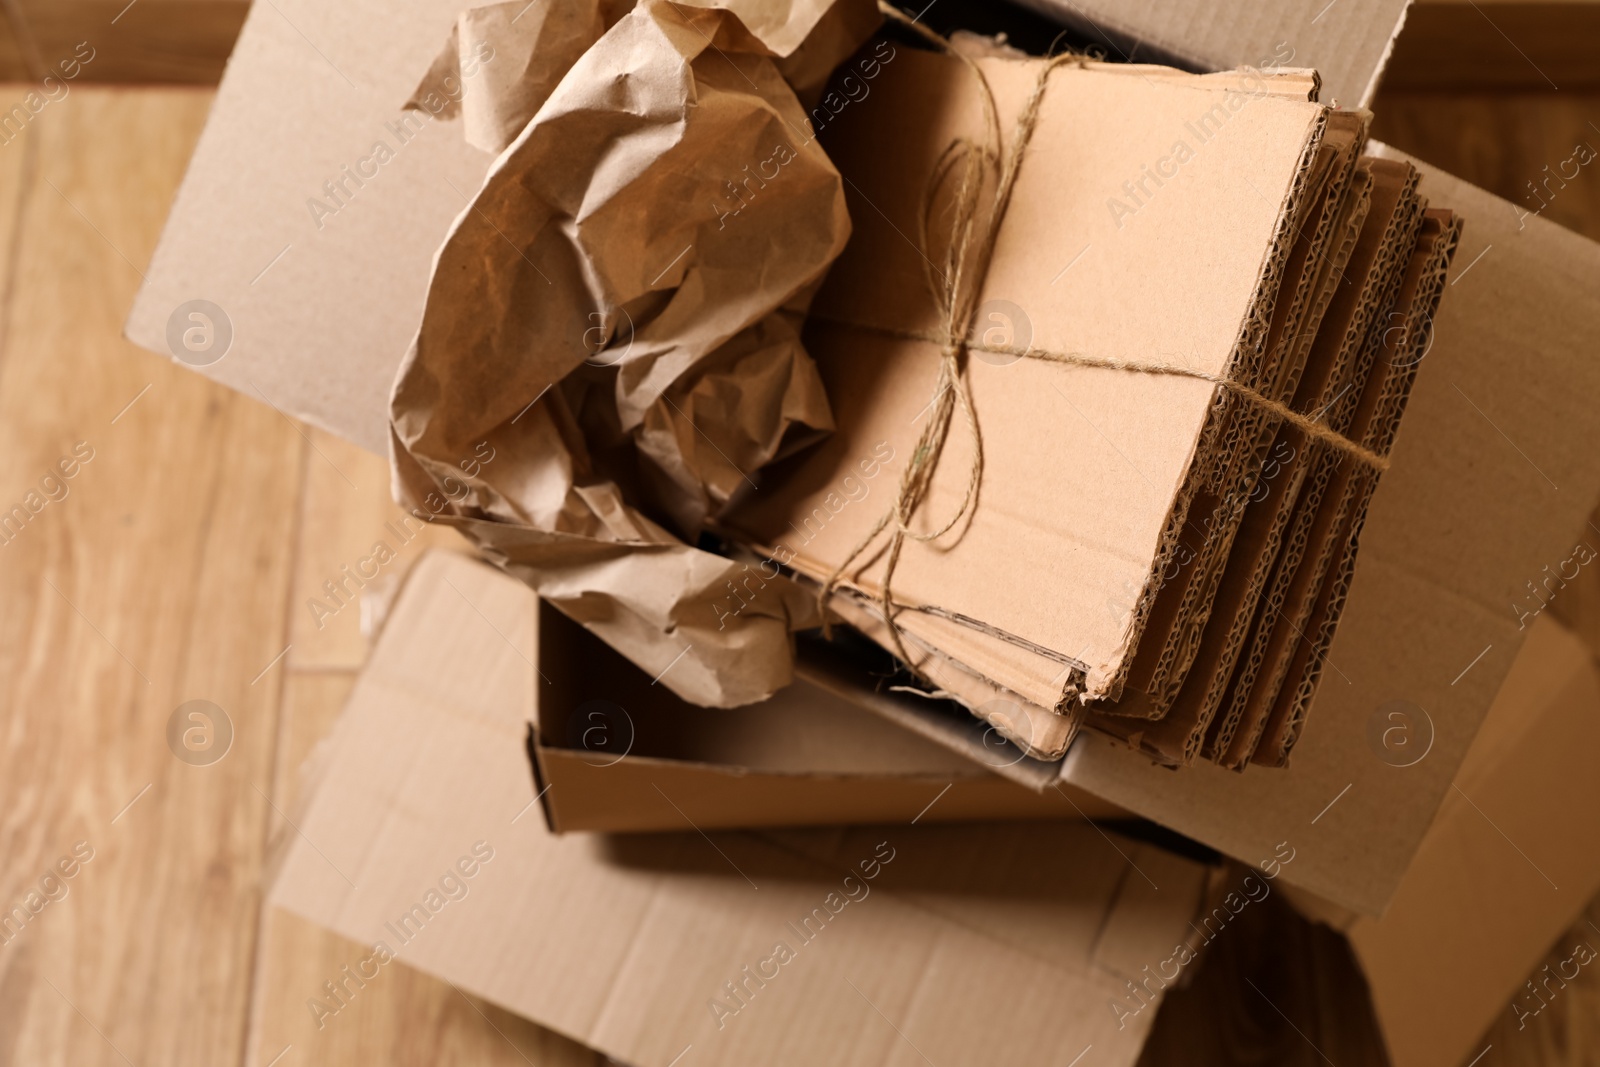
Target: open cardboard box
976	944
990	943
320	308
612	750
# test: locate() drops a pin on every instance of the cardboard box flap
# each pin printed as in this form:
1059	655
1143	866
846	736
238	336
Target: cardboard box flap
314	270
1348	42
997	943
1500	415
1502	872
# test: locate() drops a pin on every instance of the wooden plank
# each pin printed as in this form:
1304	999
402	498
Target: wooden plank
1511	46
1446	44
357	540
15	160
144	41
1525	147
156	578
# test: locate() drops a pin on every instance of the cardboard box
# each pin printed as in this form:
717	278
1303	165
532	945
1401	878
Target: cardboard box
975	945
613	751
320	317
566	929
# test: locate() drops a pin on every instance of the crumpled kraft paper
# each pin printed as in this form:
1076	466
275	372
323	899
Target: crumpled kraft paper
504	60
537	42
615	322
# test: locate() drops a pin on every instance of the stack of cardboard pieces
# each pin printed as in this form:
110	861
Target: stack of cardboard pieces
1039	938
1146	547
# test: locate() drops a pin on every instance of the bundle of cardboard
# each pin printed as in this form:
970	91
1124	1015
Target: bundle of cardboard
1143	537
1096	505
742	341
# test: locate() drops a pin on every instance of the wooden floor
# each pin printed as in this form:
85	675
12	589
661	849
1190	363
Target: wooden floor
176	567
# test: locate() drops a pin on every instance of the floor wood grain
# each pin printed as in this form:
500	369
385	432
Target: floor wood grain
154	575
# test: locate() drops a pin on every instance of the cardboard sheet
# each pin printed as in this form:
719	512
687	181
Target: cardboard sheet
977	945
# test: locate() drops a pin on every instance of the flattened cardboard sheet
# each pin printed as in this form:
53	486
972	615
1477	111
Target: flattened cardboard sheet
1065	514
